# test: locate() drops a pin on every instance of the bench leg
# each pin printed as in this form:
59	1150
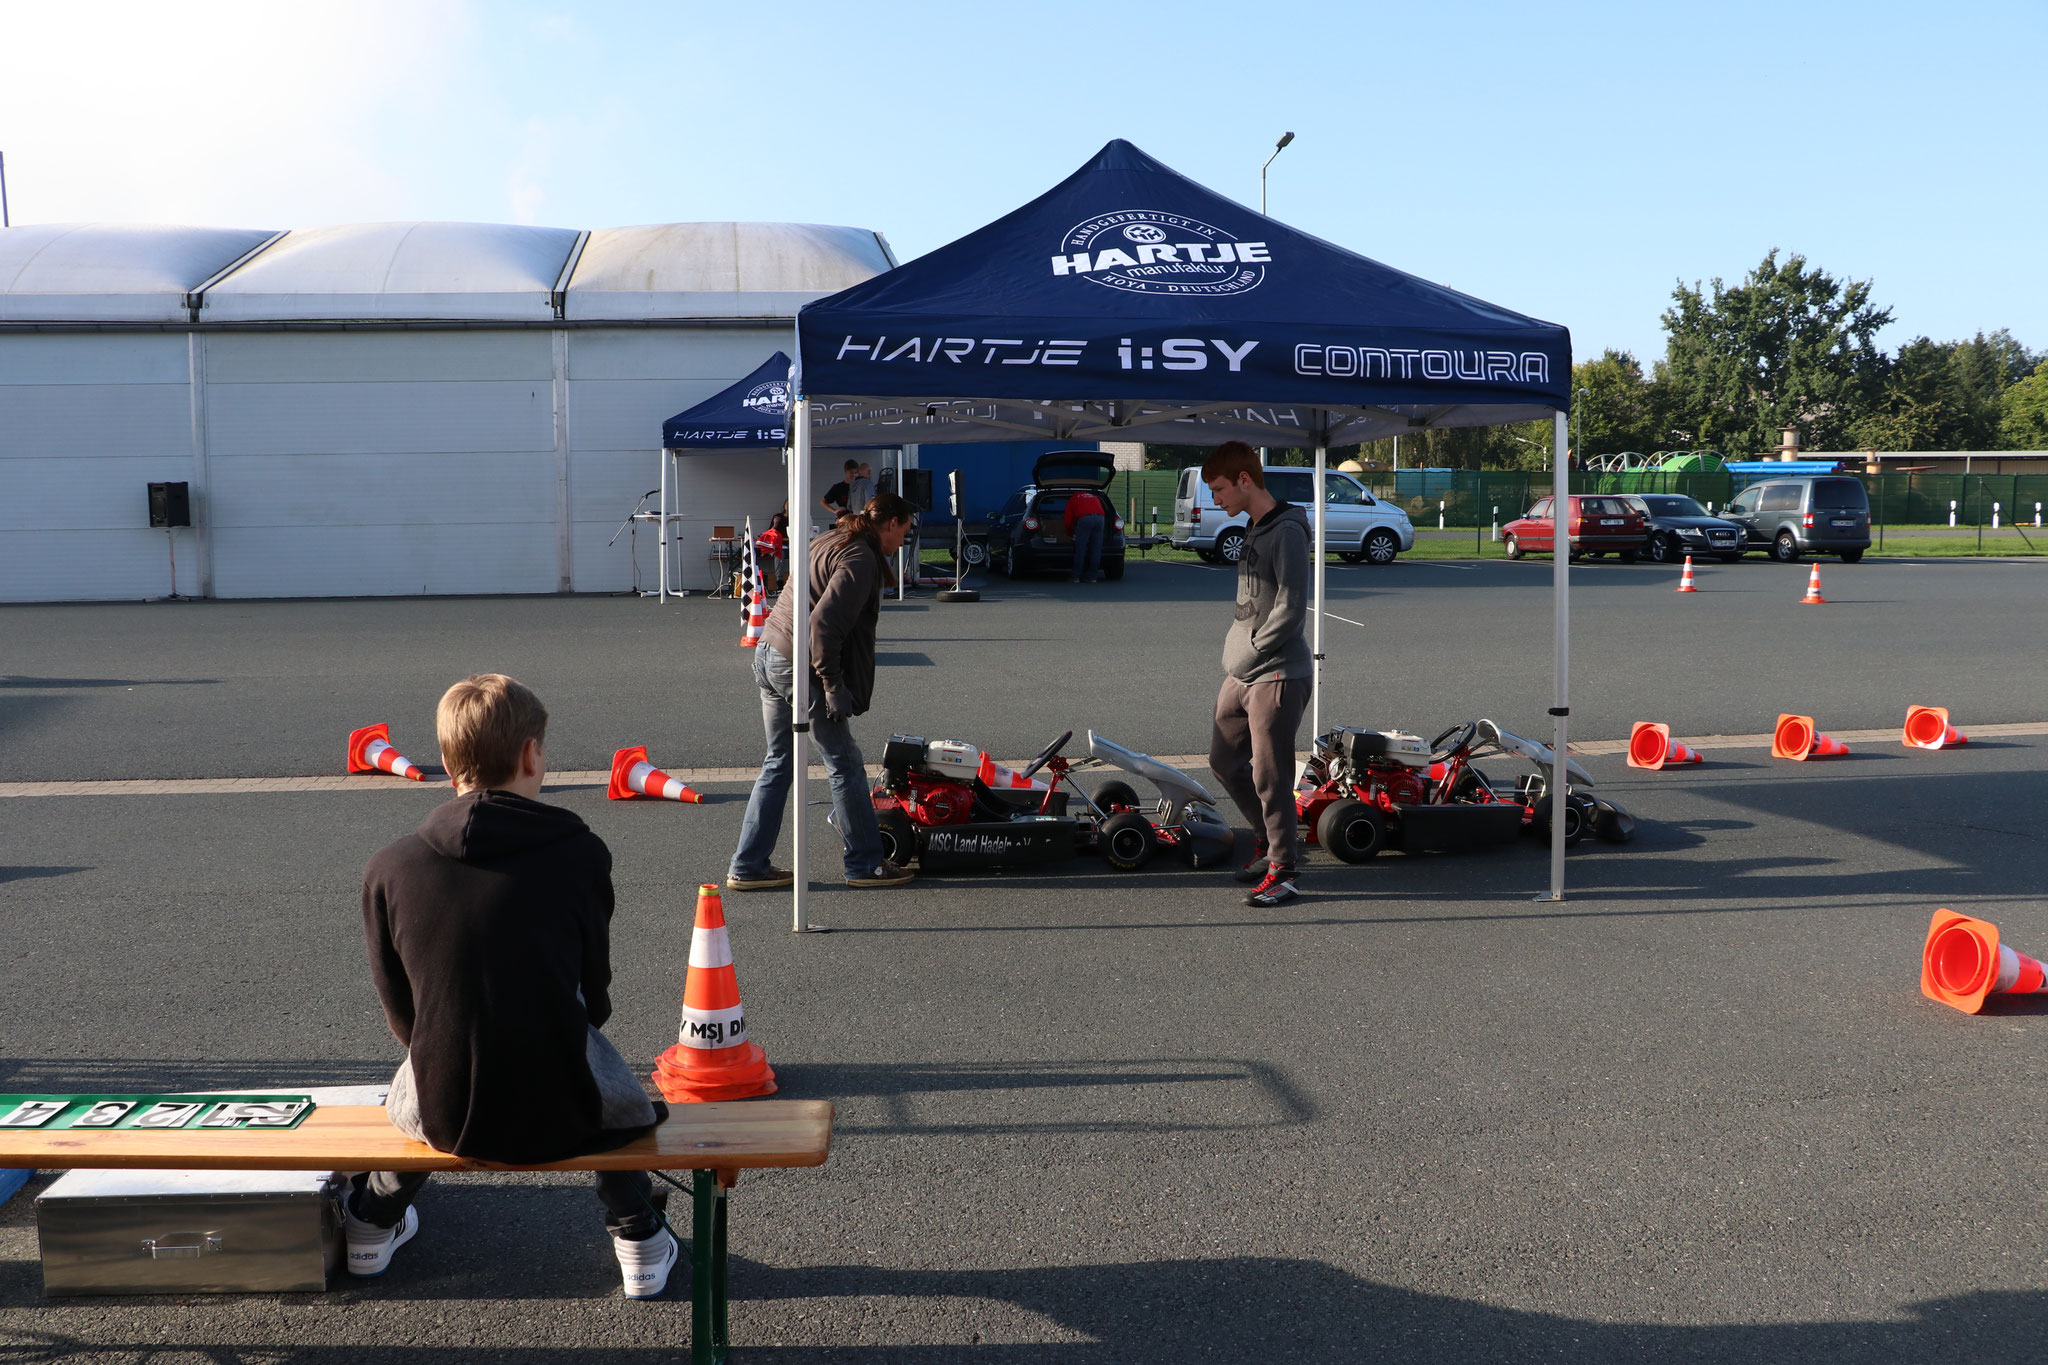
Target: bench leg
708	1336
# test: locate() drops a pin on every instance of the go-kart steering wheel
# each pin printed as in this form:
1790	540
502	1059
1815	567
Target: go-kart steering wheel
1458	736
1046	756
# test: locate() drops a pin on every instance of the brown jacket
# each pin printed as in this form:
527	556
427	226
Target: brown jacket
846	602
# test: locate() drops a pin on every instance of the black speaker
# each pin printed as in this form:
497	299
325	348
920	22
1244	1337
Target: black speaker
170	504
917	488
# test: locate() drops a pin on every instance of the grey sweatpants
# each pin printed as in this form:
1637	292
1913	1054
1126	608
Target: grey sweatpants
1251	751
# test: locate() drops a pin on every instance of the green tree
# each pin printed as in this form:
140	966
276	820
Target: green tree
1944	395
2026	412
1617	408
1788	346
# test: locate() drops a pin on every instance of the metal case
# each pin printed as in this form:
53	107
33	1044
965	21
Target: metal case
186	1232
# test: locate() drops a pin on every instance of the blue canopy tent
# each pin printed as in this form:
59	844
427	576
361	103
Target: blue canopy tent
749	414
1130	303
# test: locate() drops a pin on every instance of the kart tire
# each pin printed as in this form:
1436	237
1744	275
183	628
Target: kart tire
1575	824
1352	831
899	837
1785	549
1230	545
1113	794
1127	841
1511	547
1113	569
1381	546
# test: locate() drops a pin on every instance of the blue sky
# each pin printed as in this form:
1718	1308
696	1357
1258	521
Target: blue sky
1568	160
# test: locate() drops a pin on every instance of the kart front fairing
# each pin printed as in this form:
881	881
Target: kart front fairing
1508	742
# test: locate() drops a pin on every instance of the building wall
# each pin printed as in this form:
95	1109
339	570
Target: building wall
87	422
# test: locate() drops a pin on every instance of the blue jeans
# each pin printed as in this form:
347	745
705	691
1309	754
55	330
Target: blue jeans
1088	546
853	811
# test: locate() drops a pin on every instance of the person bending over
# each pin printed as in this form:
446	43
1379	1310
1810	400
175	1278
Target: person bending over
1267	669
845	579
489	933
835	500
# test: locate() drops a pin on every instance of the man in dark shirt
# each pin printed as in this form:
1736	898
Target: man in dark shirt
489	937
838	498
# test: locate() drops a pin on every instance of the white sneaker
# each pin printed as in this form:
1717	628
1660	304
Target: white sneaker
370	1247
645	1264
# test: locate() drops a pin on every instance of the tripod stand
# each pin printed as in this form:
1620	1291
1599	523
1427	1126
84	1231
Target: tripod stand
633	519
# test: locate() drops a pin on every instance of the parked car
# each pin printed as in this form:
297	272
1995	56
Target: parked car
1680	527
1358	526
1824	514
1597	526
1029	533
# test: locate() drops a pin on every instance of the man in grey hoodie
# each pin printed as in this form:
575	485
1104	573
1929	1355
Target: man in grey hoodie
1268	669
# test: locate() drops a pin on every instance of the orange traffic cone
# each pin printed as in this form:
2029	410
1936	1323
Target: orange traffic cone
1813	596
995	775
713	1058
1796	739
370	751
634	777
1650	745
1685	579
1927	727
1963	962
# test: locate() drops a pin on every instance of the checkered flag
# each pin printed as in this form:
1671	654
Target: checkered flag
753	600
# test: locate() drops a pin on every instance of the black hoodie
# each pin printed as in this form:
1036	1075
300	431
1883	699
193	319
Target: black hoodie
483	927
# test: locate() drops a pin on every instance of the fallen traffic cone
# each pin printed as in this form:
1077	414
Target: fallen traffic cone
1813	596
1963	962
994	775
370	751
633	777
1685	579
713	1058
1650	745
1927	727
1796	739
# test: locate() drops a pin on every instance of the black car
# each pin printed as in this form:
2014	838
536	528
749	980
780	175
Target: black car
1680	527
1029	533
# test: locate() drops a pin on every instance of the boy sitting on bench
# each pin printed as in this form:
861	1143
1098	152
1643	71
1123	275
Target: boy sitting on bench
489	938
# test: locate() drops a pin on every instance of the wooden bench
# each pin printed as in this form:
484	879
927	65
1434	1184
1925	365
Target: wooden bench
717	1141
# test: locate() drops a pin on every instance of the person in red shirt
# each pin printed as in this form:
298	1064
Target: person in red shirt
1087	517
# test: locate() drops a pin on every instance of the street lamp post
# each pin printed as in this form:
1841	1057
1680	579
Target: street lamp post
1278	148
1579	427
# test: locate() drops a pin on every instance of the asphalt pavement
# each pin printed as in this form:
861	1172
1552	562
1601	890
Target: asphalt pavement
1699	1111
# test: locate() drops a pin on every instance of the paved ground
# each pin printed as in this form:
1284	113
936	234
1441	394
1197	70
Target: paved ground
1698	1112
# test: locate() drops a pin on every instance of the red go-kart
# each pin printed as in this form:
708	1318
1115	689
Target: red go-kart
1366	790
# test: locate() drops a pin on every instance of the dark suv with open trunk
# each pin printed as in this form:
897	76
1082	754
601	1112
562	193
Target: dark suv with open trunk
1818	514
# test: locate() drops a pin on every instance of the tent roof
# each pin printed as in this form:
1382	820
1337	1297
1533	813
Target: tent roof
751	414
719	270
1130	302
112	272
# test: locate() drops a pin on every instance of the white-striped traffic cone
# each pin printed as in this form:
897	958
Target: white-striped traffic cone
713	1058
633	777
370	751
996	777
1685	578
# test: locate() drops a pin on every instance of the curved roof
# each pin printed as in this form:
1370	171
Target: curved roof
719	270
426	271
112	272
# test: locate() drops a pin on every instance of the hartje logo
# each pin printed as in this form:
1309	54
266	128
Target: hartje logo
772	397
1147	252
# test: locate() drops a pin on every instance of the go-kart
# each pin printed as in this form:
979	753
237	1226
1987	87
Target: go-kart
1366	790
950	806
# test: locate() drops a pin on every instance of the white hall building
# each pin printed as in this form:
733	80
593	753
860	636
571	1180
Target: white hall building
382	408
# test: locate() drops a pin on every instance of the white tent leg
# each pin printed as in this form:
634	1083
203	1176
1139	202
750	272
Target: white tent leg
1561	645
799	583
661	594
1315	696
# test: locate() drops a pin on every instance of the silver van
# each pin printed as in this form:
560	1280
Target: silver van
1358	526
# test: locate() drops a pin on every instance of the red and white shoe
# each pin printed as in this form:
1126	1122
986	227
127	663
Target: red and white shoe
1276	889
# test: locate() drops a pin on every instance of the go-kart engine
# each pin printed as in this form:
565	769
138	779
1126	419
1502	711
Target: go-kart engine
937	800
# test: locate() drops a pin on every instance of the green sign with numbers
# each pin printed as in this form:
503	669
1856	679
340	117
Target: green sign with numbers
48	1112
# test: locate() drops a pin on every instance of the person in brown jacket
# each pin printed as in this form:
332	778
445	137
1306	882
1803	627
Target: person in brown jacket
845	581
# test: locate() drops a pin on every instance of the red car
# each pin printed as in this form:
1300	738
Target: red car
1598	524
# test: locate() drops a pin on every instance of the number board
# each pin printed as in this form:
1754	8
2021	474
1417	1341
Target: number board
47	1112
